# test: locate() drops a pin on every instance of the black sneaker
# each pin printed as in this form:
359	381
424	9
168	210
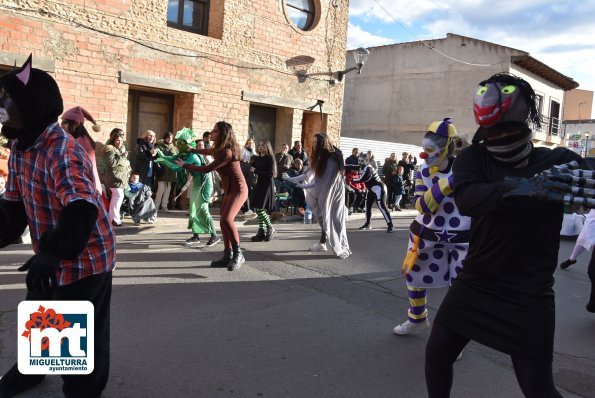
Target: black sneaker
567	263
192	241
213	240
390	228
365	227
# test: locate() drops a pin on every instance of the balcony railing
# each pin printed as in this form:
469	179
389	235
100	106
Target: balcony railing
550	126
554	126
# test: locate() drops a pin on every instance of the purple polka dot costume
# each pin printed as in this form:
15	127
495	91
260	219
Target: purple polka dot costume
439	236
442	229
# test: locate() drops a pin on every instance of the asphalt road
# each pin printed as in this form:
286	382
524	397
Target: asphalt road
290	323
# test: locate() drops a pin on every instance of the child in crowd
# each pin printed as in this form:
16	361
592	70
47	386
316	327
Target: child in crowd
399	187
356	202
141	205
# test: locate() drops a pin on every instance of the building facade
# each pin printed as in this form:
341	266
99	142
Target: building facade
579	126
167	64
404	87
578	105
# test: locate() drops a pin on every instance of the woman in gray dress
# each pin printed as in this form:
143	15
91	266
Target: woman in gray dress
324	186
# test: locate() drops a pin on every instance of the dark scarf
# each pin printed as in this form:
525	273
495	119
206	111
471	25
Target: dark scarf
513	150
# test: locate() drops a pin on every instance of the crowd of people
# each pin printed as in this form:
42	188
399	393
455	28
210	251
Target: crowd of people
474	231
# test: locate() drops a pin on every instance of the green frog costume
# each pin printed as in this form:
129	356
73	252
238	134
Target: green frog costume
200	220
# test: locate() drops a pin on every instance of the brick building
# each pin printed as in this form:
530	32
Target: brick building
261	65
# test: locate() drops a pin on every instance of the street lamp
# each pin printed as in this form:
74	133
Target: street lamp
361	56
587	135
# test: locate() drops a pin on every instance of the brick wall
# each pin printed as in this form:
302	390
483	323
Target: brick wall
251	46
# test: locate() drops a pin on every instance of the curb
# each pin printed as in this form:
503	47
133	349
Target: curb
177	221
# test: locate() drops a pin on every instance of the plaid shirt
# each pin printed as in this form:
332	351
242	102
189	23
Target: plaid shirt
46	177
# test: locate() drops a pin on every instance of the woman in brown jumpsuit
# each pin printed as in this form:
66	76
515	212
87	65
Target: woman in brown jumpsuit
226	152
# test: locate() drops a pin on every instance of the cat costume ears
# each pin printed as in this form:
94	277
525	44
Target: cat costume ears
24	72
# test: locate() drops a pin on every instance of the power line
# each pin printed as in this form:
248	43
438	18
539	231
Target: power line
426	44
136	41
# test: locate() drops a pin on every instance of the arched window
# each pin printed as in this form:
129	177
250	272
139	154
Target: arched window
301	12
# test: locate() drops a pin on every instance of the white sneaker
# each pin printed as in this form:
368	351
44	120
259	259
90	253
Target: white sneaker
318	247
409	327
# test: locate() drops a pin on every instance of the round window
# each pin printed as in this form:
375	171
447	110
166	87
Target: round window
301	12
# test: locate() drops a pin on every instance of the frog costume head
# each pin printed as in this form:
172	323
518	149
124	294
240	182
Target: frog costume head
185	138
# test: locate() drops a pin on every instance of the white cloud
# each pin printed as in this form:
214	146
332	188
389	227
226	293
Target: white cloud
400	9
557	33
357	37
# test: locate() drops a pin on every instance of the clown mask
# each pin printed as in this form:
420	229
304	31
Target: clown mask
432	153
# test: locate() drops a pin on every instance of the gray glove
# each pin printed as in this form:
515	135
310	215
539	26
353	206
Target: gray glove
565	183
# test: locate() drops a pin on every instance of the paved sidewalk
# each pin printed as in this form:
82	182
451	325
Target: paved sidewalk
177	221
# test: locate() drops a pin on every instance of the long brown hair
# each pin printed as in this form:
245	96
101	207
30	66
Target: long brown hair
321	154
115	133
269	152
226	140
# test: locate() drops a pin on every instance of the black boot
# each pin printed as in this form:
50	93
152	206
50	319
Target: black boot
591	303
14	382
390	227
567	263
237	259
223	261
259	237
270	234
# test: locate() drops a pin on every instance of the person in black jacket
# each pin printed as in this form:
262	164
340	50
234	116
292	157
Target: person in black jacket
297	152
263	200
503	296
408	162
352	161
146	153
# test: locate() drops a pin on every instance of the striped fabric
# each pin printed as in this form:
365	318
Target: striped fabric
368	176
418	299
264	220
48	176
427	200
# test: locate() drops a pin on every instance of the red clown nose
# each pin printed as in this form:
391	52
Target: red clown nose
423	155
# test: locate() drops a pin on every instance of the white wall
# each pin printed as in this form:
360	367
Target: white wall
405	87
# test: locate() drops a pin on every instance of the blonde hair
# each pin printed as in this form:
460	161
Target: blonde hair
150	132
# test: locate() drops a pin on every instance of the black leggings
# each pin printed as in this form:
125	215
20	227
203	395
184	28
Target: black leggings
322	237
377	194
534	376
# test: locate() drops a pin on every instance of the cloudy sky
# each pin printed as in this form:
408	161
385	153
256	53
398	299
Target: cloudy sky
559	33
